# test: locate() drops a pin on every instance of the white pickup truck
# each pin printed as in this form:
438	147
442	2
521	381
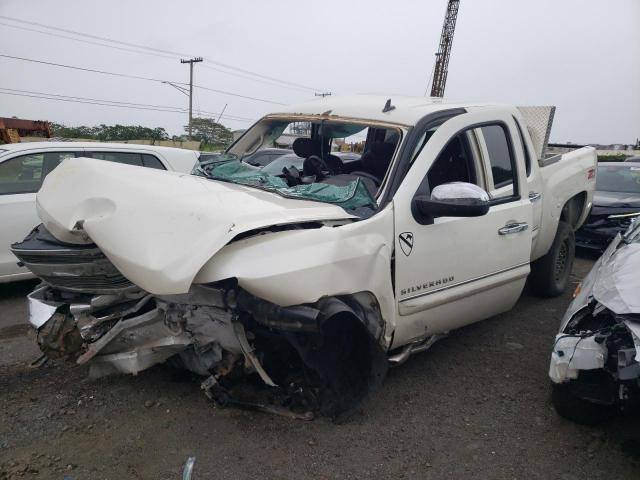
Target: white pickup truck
316	279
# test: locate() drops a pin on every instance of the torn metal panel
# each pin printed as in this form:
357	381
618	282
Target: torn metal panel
634	328
572	353
224	331
595	360
41	310
618	281
139	358
249	354
613	280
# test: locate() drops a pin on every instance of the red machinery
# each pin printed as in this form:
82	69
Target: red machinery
11	129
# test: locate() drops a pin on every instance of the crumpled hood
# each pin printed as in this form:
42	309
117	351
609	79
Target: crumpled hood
617	281
158	228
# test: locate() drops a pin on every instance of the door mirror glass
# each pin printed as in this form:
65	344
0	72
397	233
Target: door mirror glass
456	199
459	190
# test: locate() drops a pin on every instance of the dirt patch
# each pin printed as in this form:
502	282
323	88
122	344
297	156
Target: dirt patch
13	331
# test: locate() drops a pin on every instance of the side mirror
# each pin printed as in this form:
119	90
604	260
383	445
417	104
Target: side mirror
457	199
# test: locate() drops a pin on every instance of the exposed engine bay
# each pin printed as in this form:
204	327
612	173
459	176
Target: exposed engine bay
597	356
595	359
321	358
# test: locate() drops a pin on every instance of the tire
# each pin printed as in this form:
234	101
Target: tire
549	275
577	409
351	365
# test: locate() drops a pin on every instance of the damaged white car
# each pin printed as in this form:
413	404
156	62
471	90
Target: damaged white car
311	281
595	362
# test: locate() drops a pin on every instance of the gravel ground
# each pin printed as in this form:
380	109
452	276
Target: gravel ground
475	406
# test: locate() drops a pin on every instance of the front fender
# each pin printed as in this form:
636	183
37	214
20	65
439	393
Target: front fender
302	266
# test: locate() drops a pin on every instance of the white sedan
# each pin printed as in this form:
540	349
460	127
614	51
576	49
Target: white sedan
23	167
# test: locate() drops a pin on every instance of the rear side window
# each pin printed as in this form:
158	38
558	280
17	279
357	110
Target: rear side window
53	159
21	174
119	157
152	161
499	155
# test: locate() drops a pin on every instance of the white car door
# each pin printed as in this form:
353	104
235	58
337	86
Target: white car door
452	271
20	178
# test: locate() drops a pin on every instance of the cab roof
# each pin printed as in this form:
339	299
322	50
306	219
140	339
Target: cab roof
408	110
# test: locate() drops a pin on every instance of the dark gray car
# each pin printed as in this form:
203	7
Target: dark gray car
616	203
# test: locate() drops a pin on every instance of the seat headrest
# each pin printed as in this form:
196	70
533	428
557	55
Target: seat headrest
377	159
305	147
383	150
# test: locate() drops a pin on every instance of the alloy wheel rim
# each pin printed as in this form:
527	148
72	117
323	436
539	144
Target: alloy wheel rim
561	260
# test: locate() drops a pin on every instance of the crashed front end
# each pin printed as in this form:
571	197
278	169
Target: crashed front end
310	358
595	359
603	224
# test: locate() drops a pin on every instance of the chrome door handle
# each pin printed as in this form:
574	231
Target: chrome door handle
513	228
534	196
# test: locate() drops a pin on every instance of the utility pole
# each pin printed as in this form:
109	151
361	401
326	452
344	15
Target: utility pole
191	62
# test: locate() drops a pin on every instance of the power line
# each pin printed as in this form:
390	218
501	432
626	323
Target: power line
153	54
238	95
95	37
160	51
181	109
259	80
88	102
51	34
84	69
109	103
137	77
266	77
229	117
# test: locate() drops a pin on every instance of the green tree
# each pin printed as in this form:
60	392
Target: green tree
110	133
208	131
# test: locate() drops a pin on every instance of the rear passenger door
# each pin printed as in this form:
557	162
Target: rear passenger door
452	271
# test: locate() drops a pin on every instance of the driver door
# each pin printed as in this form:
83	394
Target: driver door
452	271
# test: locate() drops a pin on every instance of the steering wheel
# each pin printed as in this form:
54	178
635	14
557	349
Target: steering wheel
314	166
368	175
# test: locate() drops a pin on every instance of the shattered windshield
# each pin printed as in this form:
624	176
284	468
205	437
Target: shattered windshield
316	168
350	196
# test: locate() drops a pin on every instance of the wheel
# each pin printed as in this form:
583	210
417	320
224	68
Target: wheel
550	274
568	405
349	364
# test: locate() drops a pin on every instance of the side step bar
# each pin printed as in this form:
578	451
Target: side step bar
414	347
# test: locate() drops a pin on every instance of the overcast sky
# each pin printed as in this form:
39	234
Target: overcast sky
581	55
